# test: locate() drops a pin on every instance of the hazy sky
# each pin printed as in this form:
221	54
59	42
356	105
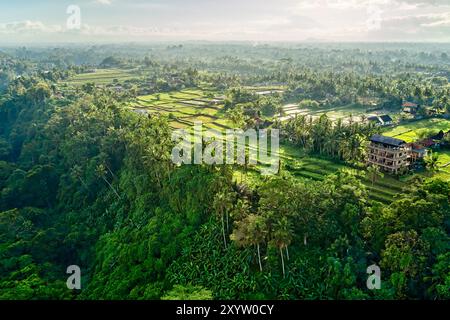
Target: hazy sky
255	20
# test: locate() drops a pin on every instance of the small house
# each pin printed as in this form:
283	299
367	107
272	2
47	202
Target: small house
427	143
386	120
375	120
411	108
418	152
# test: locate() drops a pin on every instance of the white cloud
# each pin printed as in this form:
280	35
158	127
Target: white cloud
296	20
340	4
106	2
28	27
427	2
428	27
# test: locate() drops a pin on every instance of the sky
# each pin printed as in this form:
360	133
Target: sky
51	21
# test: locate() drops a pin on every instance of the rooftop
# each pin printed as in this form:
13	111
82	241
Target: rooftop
373	118
409	104
387	140
386	118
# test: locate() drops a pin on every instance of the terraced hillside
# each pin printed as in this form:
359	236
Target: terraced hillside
411	132
185	107
383	190
188	106
101	77
305	166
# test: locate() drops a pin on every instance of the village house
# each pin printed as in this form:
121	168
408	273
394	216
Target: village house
375	120
418	152
386	120
394	155
411	108
383	120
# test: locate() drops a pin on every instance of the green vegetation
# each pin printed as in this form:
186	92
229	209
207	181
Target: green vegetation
413	131
101	77
86	176
184	108
444	165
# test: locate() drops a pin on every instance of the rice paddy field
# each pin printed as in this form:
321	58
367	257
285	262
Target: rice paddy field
444	165
344	113
410	132
188	106
185	107
303	166
101	77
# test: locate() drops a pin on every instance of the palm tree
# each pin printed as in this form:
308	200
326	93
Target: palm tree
222	204
432	161
240	210
251	231
236	116
282	237
101	172
258	232
374	173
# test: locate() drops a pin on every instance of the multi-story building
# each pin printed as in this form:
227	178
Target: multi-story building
389	154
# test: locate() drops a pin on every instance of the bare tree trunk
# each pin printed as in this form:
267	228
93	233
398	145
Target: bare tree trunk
305	239
223	232
282	261
83	183
228	229
112	188
287	253
110	171
259	258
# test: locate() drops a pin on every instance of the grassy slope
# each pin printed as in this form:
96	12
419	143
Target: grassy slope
409	132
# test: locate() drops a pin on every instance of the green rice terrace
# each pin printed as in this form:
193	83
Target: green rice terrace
444	165
101	77
203	104
316	168
410	132
413	131
185	107
188	106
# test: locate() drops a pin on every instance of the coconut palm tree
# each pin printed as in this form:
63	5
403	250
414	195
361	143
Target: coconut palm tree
282	237
222	205
432	162
251	231
374	173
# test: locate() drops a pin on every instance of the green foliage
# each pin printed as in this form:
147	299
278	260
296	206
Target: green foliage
309	104
84	181
187	293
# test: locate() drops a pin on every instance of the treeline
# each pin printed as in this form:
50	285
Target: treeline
339	140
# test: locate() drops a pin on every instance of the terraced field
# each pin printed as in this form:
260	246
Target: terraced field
444	165
101	77
410	132
185	108
314	168
344	113
383	190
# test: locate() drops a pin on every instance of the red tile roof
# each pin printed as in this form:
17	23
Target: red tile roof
409	104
